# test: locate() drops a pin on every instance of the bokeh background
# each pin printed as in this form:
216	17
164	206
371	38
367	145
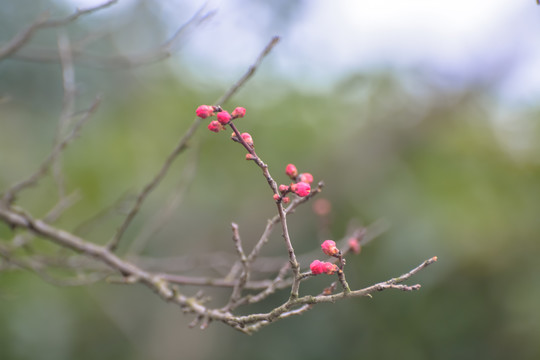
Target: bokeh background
420	115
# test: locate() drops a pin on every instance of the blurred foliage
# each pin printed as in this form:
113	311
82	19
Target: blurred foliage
443	167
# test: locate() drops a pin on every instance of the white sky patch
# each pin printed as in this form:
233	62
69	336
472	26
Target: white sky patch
459	38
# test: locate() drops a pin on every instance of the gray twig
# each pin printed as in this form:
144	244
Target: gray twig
22	37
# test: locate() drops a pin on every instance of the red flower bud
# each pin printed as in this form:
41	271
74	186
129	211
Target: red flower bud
291	171
250	156
204	111
224	117
330	268
247	138
316	267
301	189
239	112
215	126
276	197
329	248
286	200
306	177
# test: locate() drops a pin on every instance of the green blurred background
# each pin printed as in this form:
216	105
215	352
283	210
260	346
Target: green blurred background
453	170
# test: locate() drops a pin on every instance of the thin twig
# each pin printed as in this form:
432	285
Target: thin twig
134	274
64	203
22	37
68	105
249	73
146	57
9	195
244	275
164	215
295	267
288	308
40	269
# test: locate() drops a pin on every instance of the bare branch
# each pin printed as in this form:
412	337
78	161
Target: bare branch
63	203
240	283
162	286
250	323
40	269
68	240
21	38
163	215
68	105
146	57
249	73
9	195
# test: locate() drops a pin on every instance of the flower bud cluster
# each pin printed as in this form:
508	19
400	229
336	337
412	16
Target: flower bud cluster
222	116
301	185
323	267
319	267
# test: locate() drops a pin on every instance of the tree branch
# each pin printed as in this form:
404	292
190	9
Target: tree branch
9	196
180	147
21	38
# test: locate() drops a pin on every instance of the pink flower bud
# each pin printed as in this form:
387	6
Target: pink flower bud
286	200
283	188
215	126
204	111
319	267
330	268
301	189
291	171
276	197
306	177
224	117
239	112
316	267
329	248
250	156
354	245
247	138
